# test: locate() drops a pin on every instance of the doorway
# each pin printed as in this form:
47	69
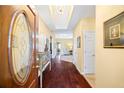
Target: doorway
58	48
51	46
89	56
89	52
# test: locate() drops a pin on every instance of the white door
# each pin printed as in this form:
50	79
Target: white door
89	52
75	51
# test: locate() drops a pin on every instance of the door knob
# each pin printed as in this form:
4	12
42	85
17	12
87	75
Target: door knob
37	66
37	59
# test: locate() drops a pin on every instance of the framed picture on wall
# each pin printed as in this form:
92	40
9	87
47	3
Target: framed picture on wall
78	42
114	32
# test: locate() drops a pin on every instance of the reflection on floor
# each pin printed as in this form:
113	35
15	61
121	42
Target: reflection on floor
68	58
91	79
63	75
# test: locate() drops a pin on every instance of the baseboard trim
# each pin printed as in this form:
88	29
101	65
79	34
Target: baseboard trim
77	69
88	80
85	77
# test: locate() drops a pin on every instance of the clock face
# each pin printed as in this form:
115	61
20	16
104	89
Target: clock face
21	48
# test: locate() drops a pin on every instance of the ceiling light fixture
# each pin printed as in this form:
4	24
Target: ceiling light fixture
57	9
61	15
60	10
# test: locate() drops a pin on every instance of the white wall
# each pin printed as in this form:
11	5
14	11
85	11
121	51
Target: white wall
109	62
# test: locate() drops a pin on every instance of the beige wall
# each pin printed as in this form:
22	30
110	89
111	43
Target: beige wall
85	24
109	62
45	31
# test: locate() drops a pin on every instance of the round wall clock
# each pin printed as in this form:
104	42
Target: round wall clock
20	47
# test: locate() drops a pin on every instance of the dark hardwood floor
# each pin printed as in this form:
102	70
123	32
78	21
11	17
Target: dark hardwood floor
63	75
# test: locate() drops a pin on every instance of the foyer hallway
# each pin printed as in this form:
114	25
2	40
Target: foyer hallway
63	75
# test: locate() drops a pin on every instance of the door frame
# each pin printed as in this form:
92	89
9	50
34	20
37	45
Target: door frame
74	50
